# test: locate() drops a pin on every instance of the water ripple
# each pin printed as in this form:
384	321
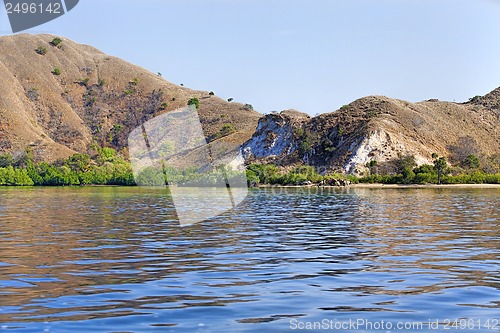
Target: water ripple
114	259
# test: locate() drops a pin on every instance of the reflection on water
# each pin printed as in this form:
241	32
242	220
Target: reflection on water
116	260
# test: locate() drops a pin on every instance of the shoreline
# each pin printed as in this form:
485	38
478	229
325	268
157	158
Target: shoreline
391	186
363	185
497	186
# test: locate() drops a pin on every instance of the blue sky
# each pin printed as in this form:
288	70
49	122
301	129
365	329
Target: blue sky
311	55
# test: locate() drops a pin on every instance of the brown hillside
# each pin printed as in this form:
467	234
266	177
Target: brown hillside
96	98
381	129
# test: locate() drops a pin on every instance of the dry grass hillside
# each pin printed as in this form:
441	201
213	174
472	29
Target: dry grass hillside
382	129
61	99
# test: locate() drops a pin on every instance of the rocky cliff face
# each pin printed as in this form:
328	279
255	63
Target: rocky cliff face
274	137
377	128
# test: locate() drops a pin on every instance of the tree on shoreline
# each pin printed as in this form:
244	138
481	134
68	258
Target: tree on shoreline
440	165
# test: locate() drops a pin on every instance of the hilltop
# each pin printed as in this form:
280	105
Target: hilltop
380	129
61	97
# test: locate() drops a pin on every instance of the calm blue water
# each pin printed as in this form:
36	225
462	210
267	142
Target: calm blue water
115	260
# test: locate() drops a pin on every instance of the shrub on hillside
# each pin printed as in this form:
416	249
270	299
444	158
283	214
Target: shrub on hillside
56	41
41	50
194	101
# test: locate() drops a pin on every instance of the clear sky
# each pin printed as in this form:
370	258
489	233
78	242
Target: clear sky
311	55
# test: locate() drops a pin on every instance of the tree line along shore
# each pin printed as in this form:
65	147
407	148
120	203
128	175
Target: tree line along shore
108	167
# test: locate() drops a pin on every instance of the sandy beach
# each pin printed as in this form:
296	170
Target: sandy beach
497	186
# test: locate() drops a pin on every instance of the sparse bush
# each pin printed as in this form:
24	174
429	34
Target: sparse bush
56	41
305	145
230	99
403	163
164	105
227	129
463	148
194	101
373	167
56	71
247	107
84	82
298	132
471	162
211	93
32	94
475	99
41	50
101	82
6	160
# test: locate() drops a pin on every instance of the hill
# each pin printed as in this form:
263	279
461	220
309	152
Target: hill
380	129
59	97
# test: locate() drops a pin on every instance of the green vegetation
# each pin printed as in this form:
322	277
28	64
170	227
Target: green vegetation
6	160
373	167
101	82
441	166
56	71
108	168
56	41
41	50
114	133
438	173
194	101
475	99
227	129
160	176
18	177
271	174
304	140
471	162
404	171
